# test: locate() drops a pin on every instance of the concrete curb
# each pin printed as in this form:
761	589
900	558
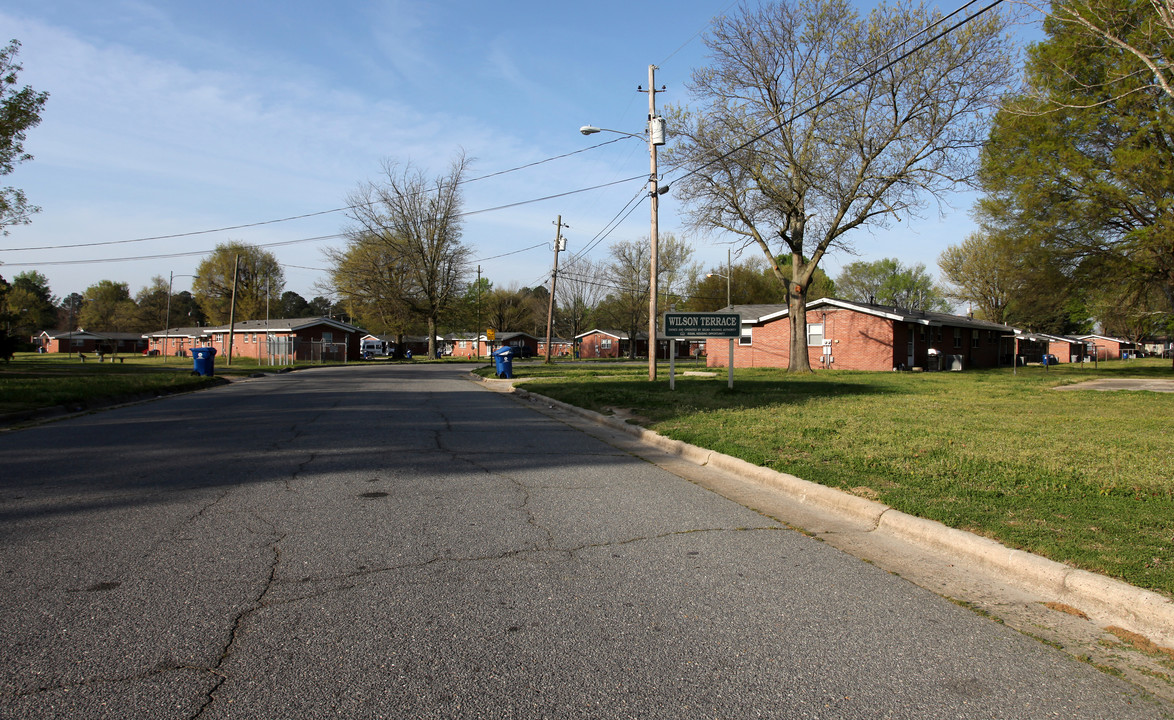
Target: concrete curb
1111	602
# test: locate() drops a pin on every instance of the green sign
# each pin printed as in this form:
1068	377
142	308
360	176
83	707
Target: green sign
702	325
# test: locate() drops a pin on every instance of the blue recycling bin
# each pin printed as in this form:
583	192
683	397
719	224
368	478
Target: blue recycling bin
503	361
203	361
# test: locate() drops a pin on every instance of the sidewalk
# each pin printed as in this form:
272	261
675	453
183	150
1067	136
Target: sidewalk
1090	616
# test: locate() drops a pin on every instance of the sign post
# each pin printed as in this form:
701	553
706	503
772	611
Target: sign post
701	326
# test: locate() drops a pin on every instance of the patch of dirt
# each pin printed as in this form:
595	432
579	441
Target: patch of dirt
1107	385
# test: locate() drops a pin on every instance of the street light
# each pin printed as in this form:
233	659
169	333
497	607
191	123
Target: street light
729	269
727	277
655	138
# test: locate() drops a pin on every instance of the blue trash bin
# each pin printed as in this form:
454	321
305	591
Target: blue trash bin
503	361
203	362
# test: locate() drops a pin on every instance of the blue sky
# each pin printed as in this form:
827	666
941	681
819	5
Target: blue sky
173	117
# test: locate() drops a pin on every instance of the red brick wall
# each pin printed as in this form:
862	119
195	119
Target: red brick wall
860	341
589	347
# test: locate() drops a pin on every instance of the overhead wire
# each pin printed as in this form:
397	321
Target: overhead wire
327	212
776	124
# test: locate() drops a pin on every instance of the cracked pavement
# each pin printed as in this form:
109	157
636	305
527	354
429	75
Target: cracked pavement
396	541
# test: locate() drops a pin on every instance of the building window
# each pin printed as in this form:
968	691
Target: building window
464	344
814	334
974	338
327	336
605	344
957	337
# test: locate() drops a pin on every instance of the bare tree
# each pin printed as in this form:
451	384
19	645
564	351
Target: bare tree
405	244
578	293
817	122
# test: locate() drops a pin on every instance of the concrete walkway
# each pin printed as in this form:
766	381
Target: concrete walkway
1087	615
1166	386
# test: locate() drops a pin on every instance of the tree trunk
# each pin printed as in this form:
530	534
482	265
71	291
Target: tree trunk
431	337
797	316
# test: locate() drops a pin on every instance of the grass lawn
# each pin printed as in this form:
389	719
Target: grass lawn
1082	477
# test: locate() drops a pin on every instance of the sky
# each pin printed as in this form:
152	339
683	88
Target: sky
174	126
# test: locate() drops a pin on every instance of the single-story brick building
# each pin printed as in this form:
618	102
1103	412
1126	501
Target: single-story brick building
849	335
281	341
110	343
1031	347
1109	348
599	343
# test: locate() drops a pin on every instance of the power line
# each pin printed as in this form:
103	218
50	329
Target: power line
191	253
301	240
856	82
316	214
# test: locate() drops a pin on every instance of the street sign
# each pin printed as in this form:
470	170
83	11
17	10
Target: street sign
702	325
490	334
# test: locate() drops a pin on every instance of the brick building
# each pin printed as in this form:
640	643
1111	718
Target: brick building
282	341
858	336
109	343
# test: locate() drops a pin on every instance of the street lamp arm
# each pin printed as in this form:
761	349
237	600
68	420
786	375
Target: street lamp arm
591	130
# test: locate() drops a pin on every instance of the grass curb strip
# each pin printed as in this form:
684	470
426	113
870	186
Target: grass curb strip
1110	601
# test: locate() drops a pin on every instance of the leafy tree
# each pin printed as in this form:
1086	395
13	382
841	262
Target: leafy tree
510	309
404	257
20	109
1012	279
185	311
108	307
468	311
30	304
786	153
1080	166
257	276
889	282
68	310
293	305
1140	31
153	304
321	306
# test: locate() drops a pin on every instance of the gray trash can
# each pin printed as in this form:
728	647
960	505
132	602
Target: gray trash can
203	361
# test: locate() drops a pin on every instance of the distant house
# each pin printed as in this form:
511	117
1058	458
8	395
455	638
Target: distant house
178	341
1031	347
559	347
850	335
281	341
108	343
1109	348
521	340
599	343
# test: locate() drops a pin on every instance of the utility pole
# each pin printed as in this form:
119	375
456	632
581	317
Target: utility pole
655	137
558	245
236	264
477	334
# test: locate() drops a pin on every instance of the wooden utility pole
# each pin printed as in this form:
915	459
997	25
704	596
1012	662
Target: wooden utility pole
655	138
558	245
477	336
236	265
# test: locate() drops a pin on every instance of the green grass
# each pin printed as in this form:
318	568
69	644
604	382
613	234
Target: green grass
1082	477
33	381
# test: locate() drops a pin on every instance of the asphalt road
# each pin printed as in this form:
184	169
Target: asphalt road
397	541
